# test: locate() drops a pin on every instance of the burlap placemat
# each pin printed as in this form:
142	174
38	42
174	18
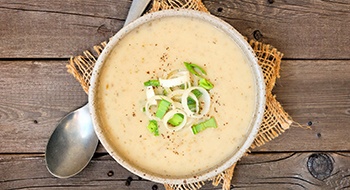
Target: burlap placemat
275	121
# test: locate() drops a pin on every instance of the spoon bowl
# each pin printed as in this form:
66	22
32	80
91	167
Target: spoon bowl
72	144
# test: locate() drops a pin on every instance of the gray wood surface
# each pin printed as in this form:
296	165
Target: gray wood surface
301	29
255	171
37	37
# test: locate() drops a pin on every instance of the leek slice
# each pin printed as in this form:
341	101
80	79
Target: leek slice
169	115
181	78
210	123
191	104
206	102
153	127
150	93
193	68
176	120
151	83
206	84
197	93
149	103
163	107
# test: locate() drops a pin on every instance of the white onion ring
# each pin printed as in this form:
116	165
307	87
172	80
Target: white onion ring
180	93
150	93
174	75
170	114
206	99
178	79
176	93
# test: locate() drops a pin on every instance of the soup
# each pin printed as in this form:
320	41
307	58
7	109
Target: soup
149	52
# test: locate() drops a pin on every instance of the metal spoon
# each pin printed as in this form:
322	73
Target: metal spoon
74	142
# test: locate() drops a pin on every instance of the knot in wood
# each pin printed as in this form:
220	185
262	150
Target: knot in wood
257	35
320	166
155	187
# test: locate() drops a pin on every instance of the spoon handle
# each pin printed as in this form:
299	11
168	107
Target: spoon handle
136	9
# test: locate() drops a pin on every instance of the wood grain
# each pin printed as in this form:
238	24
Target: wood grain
316	91
255	171
289	171
300	29
35	95
312	29
41	29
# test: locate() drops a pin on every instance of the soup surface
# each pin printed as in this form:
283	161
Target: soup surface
159	47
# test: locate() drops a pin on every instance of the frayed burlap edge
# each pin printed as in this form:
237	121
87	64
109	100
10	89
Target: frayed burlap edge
81	66
178	4
275	121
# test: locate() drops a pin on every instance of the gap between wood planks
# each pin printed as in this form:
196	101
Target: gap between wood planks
307	170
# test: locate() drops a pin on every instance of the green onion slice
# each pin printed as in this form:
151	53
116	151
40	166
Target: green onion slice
192	104
170	115
163	107
210	123
197	93
206	84
193	68
158	99
176	120
152	83
153	127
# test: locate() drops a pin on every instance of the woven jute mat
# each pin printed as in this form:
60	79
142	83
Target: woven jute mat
275	121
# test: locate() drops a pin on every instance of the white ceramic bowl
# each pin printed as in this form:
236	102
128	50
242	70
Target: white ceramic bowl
252	61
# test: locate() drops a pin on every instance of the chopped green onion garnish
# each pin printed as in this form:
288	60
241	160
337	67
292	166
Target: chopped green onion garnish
162	108
210	123
206	84
153	127
191	104
197	93
151	83
193	68
176	120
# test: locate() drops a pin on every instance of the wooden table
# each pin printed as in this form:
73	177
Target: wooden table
37	38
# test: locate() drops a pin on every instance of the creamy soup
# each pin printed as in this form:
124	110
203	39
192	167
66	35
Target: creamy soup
159	47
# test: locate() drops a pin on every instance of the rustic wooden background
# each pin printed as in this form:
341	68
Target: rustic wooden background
37	37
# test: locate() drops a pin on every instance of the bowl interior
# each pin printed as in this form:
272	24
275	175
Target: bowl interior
103	133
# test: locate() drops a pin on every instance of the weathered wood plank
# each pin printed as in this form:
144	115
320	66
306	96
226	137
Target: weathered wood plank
290	171
255	171
17	172
57	29
316	91
300	29
35	95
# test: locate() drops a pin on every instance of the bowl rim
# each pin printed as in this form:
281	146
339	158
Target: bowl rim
252	61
